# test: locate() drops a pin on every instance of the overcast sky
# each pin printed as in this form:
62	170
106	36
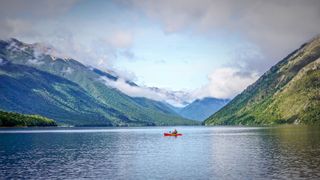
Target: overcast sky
210	48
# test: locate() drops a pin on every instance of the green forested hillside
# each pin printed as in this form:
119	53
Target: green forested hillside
28	90
10	119
84	98
288	93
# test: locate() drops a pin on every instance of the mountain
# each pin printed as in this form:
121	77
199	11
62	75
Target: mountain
288	93
35	81
201	109
174	108
151	104
31	91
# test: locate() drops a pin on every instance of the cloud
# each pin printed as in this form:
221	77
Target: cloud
18	17
68	70
226	82
128	54
120	39
42	49
40	21
268	30
274	27
134	91
39	51
35	8
98	51
14	27
174	98
124	74
65	45
35	62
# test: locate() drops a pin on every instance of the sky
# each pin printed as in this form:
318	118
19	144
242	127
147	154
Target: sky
204	47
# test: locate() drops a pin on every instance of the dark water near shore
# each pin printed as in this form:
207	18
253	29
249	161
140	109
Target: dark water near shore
143	153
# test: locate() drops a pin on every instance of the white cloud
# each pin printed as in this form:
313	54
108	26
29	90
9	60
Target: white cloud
16	46
133	91
42	49
68	70
226	83
15	27
99	52
35	8
35	62
124	74
269	29
173	98
42	24
275	27
120	39
18	17
38	53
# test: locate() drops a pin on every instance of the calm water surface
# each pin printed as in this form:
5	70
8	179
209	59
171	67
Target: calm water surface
143	153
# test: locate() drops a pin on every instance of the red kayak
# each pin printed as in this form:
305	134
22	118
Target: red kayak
170	134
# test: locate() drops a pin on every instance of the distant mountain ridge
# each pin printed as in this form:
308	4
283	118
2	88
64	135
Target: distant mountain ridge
201	109
74	92
288	93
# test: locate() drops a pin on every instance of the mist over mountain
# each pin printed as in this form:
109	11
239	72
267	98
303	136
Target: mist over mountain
35	81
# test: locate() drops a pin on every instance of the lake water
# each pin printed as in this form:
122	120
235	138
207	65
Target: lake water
144	153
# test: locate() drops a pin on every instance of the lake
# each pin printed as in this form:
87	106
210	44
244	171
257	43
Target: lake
286	152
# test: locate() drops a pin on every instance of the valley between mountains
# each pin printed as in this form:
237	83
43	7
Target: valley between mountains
73	94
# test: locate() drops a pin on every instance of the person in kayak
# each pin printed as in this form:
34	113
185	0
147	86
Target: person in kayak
174	131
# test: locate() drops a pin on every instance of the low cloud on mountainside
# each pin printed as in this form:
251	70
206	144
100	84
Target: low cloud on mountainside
134	91
178	99
223	83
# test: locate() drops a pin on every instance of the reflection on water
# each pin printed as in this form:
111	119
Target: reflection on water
143	153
